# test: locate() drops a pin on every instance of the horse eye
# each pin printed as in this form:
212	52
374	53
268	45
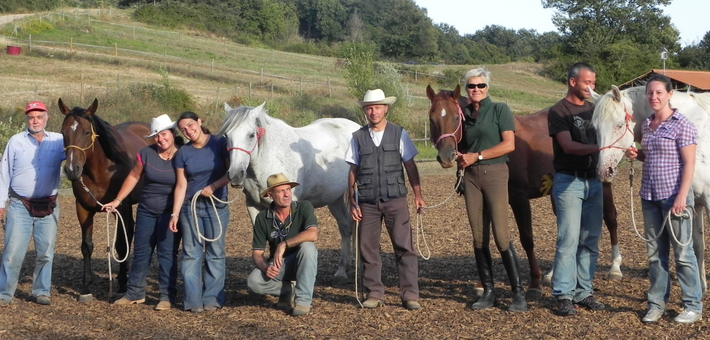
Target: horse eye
251	135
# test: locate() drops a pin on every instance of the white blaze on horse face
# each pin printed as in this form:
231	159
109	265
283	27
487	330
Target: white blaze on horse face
74	126
443	112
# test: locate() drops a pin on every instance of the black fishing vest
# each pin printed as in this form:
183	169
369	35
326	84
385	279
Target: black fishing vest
380	175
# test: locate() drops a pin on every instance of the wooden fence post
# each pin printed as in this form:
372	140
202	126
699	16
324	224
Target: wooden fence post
250	91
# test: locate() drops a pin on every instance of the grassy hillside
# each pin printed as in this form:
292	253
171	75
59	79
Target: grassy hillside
79	55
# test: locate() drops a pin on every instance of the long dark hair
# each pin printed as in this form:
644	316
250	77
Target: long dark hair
193	116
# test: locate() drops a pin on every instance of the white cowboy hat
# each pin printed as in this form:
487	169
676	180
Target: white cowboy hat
276	180
159	124
374	97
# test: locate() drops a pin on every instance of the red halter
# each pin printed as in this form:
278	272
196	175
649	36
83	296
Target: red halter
260	132
453	134
613	145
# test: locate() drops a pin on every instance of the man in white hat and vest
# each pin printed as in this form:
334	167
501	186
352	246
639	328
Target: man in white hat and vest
291	229
377	192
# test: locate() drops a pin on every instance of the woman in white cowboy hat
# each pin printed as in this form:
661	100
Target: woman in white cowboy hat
155	167
376	154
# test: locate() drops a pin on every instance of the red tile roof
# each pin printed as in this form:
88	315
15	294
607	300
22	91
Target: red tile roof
699	80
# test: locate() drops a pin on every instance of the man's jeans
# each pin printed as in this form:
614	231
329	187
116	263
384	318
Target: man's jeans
19	229
301	267
208	290
152	232
578	203
654	215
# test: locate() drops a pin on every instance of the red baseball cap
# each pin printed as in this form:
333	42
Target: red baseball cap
35	106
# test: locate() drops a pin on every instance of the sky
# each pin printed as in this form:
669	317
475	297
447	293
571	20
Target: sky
690	17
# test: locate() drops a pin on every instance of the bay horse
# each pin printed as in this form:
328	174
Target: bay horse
99	157
617	118
530	167
313	155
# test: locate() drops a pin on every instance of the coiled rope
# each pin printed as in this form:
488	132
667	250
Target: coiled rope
193	205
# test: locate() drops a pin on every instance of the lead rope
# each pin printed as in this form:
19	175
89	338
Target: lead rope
687	213
356	241
420	223
193	205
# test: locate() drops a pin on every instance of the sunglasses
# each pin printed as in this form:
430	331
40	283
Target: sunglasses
480	86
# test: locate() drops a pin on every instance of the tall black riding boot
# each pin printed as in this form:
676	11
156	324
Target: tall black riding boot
483	263
510	262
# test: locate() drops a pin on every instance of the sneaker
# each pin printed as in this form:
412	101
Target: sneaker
590	303
372	303
412	305
654	314
688	316
197	310
124	302
163	305
300	310
43	300
565	307
210	308
287	301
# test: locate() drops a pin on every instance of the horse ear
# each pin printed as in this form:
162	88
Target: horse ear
63	108
227	108
92	109
616	93
261	107
595	95
457	92
430	92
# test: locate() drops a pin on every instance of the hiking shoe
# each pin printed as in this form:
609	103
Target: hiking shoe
654	314
372	303
43	300
300	310
210	308
163	305
197	310
688	316
412	305
123	301
287	301
590	303
565	308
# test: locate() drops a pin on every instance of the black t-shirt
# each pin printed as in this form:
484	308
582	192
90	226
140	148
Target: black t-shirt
577	119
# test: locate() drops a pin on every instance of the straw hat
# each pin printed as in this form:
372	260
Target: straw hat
159	124
374	97
276	180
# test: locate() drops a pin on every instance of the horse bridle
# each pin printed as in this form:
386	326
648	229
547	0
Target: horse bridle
613	145
453	134
83	150
260	132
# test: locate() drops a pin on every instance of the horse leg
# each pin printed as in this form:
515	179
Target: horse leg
612	226
339	209
548	276
699	242
124	237
523	217
86	220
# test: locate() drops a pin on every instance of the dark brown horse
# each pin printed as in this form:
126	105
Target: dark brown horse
99	157
530	168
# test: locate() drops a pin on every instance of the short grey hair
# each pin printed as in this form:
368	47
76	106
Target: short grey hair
478	72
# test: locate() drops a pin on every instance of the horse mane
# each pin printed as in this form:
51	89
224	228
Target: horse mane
106	136
237	116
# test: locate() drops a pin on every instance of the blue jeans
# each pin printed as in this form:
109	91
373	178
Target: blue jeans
208	290
301	267
152	232
19	229
578	203
654	215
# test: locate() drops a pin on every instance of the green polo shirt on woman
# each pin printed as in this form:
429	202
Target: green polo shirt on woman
485	131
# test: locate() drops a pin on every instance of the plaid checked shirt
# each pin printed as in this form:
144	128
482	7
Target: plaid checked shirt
663	165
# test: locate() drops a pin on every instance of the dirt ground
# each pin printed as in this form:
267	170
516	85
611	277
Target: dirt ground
446	284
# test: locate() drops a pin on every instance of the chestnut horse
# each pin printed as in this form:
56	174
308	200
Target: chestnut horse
530	167
97	171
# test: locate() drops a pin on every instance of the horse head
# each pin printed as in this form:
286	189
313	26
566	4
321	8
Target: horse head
243	127
614	123
79	137
445	123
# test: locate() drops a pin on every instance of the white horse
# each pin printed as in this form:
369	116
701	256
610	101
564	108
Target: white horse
616	115
312	155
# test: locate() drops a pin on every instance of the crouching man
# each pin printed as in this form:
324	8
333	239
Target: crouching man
290	228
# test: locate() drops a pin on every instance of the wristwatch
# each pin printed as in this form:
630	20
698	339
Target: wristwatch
480	156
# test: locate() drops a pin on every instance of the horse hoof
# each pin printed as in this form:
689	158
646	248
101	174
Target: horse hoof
478	291
614	276
84	298
533	294
340	280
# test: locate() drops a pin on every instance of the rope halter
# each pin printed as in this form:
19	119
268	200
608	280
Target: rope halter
613	145
453	134
260	132
83	150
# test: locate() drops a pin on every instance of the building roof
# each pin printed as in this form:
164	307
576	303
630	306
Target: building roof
697	81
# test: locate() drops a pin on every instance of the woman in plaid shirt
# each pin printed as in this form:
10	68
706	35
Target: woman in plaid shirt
668	152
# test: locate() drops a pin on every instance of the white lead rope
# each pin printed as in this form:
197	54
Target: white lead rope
420	223
193	206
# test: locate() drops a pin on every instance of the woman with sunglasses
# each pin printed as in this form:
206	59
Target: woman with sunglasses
488	137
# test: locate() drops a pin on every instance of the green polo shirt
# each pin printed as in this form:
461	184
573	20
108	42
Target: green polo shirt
268	227
485	131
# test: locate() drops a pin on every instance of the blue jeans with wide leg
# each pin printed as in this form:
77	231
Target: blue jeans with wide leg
19	229
204	290
153	233
578	203
301	266
654	215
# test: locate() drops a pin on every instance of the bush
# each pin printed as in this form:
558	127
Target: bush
35	26
165	94
11	124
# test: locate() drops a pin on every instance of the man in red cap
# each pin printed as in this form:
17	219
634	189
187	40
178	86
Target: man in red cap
29	180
